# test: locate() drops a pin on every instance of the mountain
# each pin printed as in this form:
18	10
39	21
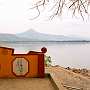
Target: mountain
32	35
8	37
11	37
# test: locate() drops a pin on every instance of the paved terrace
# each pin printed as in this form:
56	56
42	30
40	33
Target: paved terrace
26	84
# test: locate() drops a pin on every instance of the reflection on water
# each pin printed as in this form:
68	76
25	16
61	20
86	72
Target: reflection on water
73	54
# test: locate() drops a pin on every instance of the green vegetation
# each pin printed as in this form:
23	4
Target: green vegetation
48	61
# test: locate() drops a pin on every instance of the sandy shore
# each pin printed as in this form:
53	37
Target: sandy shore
68	80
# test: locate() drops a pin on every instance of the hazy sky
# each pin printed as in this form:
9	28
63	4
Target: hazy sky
15	17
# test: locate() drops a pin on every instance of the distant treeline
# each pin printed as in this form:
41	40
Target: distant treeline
41	41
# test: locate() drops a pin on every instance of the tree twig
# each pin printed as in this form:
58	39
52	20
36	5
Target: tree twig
58	7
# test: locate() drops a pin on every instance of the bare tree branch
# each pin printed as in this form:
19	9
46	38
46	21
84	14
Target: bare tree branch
80	6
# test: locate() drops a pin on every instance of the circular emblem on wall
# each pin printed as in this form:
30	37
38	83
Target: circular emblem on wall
20	66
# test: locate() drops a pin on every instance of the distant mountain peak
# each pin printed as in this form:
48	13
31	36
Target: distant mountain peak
27	32
30	31
32	35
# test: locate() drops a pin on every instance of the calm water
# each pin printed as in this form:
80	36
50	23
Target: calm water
72	54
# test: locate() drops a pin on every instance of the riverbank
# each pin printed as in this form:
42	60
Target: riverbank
67	79
85	72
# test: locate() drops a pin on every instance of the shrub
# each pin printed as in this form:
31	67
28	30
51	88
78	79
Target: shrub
48	61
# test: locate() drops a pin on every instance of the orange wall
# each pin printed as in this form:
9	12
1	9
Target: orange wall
6	61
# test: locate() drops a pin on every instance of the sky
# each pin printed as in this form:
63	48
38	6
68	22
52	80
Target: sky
16	17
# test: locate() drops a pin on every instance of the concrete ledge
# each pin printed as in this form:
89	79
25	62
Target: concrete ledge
52	80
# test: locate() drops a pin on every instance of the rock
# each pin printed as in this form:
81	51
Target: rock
68	68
